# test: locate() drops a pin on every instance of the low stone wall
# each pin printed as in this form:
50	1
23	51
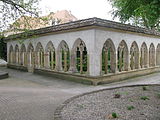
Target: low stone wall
125	75
65	76
17	67
109	78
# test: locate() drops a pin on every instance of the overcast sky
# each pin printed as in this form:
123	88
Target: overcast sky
79	8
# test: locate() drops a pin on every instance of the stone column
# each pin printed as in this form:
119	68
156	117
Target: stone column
58	61
73	61
94	64
115	62
127	61
38	59
106	62
65	61
47	60
11	57
52	60
81	62
120	61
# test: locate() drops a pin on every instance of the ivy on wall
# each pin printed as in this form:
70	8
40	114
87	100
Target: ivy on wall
3	49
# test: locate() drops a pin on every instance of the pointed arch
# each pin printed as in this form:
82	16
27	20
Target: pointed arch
79	57
50	56
63	57
30	54
158	55
123	56
11	54
17	54
108	57
144	55
39	55
134	56
152	55
23	55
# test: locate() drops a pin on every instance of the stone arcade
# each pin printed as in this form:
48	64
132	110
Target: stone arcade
91	51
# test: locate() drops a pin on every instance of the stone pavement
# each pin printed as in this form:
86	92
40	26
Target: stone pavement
26	96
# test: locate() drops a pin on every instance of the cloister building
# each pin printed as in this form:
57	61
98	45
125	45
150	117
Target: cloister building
91	50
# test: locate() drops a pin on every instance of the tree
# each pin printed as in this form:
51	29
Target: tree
10	10
144	13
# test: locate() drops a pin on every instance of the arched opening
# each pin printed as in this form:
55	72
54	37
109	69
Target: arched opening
17	54
151	55
144	55
64	56
23	55
30	54
40	55
158	55
11	52
108	57
122	56
50	55
79	55
134	56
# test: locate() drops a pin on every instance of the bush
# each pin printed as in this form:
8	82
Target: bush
144	98
3	49
114	115
130	107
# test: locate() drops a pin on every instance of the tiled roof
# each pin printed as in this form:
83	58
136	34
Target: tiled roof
84	23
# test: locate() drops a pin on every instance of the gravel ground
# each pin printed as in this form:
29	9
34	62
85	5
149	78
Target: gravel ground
101	105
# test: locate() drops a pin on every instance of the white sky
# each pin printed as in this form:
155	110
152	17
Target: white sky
79	8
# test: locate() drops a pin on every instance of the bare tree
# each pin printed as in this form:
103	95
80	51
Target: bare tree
10	10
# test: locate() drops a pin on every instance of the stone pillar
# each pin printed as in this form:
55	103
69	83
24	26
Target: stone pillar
127	61
106	62
11	57
120	61
65	61
115	62
94	64
58	61
38	59
73	61
47	60
81	62
52	60
154	64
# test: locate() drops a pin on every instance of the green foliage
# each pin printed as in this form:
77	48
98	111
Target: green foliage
13	9
3	49
114	115
144	98
130	107
158	95
139	12
144	88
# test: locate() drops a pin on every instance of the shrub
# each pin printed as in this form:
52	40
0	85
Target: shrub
130	107
144	98
114	115
144	88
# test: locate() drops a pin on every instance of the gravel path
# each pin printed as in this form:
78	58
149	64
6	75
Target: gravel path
100	105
